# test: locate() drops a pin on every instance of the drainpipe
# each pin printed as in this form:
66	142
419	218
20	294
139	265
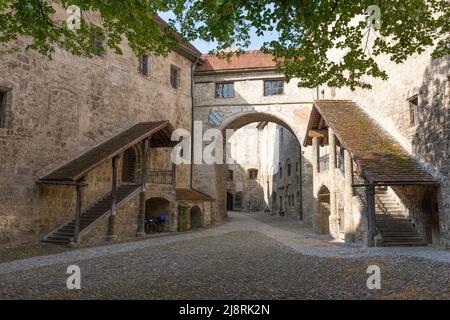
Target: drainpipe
193	67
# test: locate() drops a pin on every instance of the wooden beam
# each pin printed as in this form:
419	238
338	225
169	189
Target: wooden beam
321	123
318	133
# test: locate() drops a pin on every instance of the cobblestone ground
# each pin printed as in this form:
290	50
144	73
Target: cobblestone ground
250	257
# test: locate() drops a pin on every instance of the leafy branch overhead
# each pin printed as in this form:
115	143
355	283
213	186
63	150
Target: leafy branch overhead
311	33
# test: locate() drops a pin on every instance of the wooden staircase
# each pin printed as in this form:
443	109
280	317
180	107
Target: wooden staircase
395	228
65	233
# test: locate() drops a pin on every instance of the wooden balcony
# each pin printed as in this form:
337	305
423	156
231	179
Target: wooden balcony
160	177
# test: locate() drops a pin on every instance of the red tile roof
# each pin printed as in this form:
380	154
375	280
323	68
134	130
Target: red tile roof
193	195
379	156
246	60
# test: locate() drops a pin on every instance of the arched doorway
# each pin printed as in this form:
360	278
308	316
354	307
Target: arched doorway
195	218
323	214
229	201
158	208
238	201
129	166
431	211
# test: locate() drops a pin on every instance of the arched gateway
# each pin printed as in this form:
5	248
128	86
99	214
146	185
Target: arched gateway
248	88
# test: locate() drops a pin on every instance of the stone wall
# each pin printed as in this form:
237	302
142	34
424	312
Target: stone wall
60	108
429	140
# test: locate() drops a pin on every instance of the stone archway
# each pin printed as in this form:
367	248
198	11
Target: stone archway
195	218
321	218
291	117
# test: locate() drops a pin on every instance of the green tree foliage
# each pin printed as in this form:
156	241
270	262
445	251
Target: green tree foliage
46	26
308	31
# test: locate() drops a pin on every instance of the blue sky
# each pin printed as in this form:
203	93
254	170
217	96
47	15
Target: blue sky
205	47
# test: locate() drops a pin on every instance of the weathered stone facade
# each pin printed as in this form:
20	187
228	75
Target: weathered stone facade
59	108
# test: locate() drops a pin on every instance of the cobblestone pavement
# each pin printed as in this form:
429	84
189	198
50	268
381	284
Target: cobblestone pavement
252	256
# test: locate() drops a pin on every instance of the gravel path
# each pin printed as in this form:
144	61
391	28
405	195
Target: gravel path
250	257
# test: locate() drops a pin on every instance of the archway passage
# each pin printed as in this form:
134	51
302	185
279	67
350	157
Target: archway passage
195	217
230	202
129	166
431	211
323	223
274	203
158	208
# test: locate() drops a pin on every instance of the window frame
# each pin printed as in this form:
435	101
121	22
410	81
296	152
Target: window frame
223	83
145	72
3	94
266	94
98	43
178	77
413	108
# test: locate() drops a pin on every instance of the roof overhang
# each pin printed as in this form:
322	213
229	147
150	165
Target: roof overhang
379	156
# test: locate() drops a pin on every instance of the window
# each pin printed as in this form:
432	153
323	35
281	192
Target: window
252	174
97	40
296	167
143	65
224	90
281	135
289	169
273	87
413	110
174	77
230	175
280	171
2	109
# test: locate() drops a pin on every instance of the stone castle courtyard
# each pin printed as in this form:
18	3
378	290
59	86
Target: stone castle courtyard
249	256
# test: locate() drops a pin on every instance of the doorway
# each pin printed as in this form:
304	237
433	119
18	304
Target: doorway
129	166
229	202
431	211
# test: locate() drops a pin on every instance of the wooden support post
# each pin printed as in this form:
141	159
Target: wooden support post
174	174
78	187
144	162
111	224
370	193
